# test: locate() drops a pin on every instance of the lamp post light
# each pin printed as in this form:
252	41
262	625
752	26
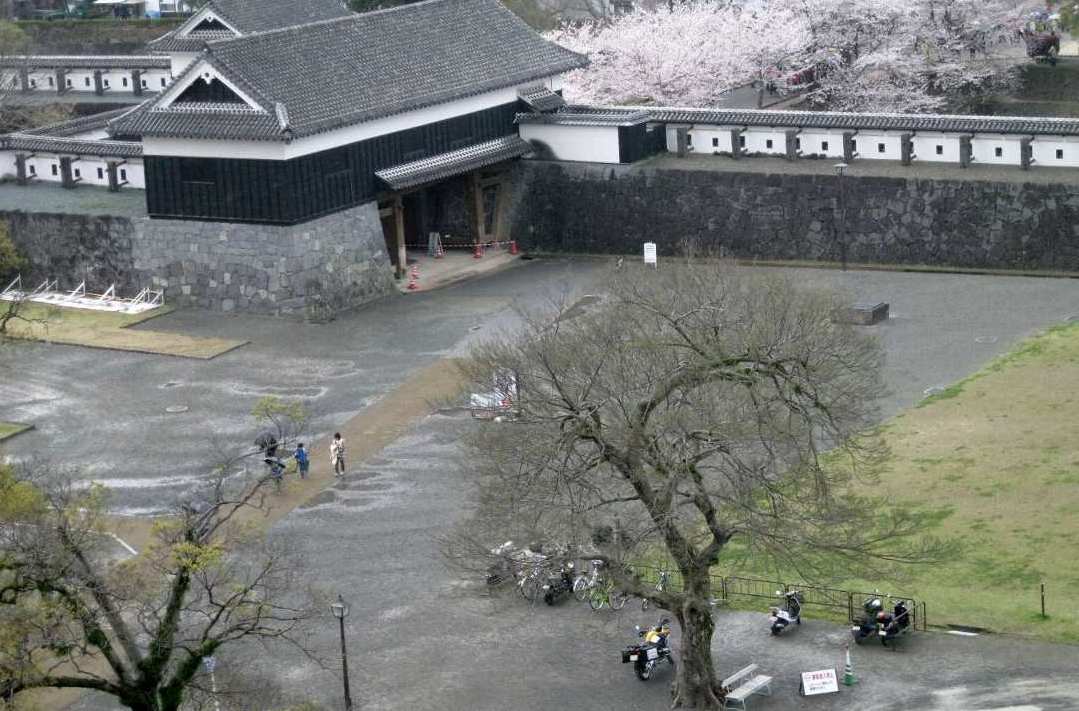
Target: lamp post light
340	611
841	214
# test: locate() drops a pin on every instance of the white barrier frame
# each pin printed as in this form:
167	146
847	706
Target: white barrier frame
78	298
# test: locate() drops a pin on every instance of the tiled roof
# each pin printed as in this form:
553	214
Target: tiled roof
249	16
445	165
363	67
78	125
42	61
72	146
855	122
583	116
541	99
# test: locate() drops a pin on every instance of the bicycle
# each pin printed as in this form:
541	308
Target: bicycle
604	594
583	585
661	586
531	579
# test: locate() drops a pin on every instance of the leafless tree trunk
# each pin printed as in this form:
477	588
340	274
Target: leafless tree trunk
696	405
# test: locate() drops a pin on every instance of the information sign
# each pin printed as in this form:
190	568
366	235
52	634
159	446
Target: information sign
815	683
650	253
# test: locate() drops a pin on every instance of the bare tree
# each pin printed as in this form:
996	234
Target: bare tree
137	629
696	406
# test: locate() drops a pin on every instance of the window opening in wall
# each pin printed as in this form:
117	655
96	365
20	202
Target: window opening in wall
998	151
689	138
1060	154
124	80
715	143
162	81
33	170
143	83
123	174
33	83
50	81
741	141
100	173
54	169
768	143
69	82
824	145
86	81
798	144
940	150
78	173
854	144
106	83
880	148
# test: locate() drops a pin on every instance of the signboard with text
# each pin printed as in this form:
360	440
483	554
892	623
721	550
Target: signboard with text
650	253
815	683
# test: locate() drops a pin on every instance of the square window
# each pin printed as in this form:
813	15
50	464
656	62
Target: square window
1060	154
106	83
33	82
768	143
123	174
33	169
998	151
100	173
124	80
78	174
69	82
880	148
55	170
940	150
143	83
824	145
715	143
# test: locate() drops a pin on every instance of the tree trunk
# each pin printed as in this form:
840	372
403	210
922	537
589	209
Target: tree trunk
695	684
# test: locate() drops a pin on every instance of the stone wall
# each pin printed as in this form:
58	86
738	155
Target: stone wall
965	223
313	269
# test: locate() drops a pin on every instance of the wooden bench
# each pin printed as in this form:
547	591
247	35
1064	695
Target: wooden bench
743	684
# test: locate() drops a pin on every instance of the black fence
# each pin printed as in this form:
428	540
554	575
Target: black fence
846	603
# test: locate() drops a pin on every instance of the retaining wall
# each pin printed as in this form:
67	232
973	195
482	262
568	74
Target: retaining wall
316	268
578	207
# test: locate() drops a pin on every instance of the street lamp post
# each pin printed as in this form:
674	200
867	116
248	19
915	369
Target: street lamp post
841	214
340	611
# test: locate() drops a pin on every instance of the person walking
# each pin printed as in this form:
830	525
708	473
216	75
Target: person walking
337	453
302	462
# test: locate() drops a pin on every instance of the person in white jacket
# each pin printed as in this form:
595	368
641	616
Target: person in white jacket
337	454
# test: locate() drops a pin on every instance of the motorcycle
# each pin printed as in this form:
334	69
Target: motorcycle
790	613
560	584
654	647
867	626
893	625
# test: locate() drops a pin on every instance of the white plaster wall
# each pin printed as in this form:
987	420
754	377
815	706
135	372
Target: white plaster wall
984	148
925	147
869	144
39	81
79	78
811	143
151	80
757	141
274	150
7	164
1045	152
593	144
135	175
710	140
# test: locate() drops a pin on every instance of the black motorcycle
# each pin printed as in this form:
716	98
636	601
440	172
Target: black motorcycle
653	648
893	625
867	626
559	585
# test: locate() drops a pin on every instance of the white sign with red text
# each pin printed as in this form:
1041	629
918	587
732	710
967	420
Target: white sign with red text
824	681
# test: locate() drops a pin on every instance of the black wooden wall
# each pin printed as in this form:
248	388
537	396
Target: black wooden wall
287	192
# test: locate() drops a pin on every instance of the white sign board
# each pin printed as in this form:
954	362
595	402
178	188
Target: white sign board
824	681
650	253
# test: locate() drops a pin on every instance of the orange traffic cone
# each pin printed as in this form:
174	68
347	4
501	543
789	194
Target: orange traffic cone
513	246
413	278
477	253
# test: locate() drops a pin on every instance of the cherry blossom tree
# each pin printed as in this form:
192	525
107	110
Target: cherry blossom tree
883	55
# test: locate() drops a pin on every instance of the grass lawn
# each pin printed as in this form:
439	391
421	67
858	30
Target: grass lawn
102	329
1000	448
10	429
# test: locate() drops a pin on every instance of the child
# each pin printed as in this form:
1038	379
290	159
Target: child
337	453
301	460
